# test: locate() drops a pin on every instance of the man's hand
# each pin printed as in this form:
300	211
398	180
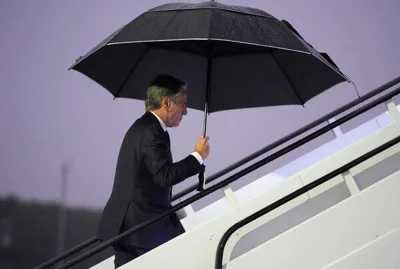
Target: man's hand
202	147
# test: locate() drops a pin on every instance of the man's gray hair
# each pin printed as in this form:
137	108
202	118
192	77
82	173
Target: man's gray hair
155	94
163	86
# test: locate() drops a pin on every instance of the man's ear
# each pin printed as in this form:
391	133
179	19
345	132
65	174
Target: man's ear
166	102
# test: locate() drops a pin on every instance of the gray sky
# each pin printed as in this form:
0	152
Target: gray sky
49	115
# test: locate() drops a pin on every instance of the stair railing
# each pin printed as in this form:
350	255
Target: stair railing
239	174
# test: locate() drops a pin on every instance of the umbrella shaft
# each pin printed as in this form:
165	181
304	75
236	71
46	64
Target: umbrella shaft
207	101
205	119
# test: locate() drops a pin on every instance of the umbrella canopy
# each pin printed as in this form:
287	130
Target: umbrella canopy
232	57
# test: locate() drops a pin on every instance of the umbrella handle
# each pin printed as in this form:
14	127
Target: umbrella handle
201	179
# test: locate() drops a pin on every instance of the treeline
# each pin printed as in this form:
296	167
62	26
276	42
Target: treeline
28	233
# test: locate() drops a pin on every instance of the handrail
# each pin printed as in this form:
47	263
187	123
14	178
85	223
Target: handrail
234	177
285	139
68	253
225	237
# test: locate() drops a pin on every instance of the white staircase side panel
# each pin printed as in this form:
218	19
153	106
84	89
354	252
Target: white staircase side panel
197	246
333	233
380	253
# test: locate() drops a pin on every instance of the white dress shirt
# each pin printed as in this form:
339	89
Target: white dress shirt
195	154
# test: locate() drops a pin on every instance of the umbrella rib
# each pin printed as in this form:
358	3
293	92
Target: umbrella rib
132	69
141	58
311	49
288	79
337	70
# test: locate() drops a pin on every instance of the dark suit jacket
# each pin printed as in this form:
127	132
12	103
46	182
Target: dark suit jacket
142	187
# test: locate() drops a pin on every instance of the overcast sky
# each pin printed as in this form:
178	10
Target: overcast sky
50	115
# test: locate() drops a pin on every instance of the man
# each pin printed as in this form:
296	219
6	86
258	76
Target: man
145	173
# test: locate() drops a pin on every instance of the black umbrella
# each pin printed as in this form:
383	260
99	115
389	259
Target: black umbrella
232	57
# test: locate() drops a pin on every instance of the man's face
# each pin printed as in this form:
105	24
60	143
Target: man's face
177	110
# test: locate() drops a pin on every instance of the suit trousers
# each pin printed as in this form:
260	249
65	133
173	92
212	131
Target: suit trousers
125	254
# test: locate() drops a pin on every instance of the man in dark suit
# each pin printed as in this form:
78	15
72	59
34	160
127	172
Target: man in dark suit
145	173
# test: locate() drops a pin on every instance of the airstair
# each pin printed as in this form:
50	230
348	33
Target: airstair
339	212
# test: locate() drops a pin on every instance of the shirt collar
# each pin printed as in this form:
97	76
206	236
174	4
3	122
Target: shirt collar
161	122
